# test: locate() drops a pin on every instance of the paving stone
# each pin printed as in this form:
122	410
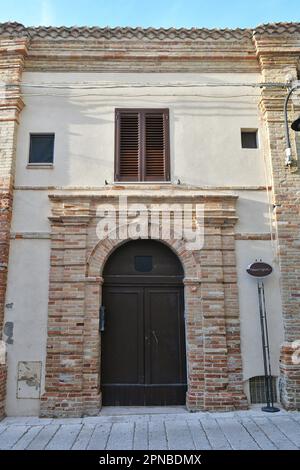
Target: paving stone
214	434
65	437
67	421
157	435
198	415
84	437
21	421
121	437
130	419
100	437
42	439
140	410
258	435
241	430
170	417
289	428
294	415
274	434
179	436
198	435
224	415
94	420
11	435
256	411
236	435
35	421
27	438
140	440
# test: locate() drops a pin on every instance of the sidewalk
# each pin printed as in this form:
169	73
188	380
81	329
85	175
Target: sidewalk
155	429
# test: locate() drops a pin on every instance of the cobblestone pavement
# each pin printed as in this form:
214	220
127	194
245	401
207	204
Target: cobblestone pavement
155	429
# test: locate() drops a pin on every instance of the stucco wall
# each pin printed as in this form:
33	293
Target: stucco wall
27	301
251	345
205	151
204	129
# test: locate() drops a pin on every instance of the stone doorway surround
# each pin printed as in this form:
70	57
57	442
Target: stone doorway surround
72	383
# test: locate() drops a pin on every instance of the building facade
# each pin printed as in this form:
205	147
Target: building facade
115	126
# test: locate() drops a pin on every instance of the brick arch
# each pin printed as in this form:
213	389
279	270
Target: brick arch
96	261
104	248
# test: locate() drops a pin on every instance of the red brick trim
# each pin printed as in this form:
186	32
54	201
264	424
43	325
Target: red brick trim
72	385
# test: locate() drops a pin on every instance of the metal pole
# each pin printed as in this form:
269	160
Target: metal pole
263	339
266	349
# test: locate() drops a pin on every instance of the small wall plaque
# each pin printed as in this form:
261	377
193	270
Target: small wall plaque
259	269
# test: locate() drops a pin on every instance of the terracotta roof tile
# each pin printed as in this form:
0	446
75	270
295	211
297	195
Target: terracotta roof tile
148	34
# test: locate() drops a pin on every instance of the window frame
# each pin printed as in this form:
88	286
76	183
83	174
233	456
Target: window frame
142	164
40	164
250	131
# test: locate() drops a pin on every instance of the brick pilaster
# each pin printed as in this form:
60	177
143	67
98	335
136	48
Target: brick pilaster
66	320
279	56
213	323
223	382
12	56
194	344
232	320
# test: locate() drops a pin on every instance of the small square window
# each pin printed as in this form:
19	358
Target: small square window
249	139
143	264
41	149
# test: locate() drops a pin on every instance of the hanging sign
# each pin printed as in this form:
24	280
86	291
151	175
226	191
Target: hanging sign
259	269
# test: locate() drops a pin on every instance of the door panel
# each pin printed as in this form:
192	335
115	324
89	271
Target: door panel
143	346
163	317
165	369
122	363
143	360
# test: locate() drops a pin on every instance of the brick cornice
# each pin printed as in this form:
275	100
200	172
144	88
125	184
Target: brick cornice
128	49
278	39
71	209
278	50
150	49
114	48
145	192
13	52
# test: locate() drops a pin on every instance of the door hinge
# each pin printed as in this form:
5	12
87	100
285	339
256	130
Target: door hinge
102	319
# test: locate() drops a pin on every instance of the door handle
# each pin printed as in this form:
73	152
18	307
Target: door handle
155	337
102	319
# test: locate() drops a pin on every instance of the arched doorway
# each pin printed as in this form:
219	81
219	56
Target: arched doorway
143	356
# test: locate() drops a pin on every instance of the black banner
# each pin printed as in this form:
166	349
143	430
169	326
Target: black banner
134	459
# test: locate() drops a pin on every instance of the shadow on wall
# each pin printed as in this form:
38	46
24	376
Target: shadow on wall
84	128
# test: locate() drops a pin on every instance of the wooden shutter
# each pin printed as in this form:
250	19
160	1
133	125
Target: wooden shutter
156	146
142	145
128	146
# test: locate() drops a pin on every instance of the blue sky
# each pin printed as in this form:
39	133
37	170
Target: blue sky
164	13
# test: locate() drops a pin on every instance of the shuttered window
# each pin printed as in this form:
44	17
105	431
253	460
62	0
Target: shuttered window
142	145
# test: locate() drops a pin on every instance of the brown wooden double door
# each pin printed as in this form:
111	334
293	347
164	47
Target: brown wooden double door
143	346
